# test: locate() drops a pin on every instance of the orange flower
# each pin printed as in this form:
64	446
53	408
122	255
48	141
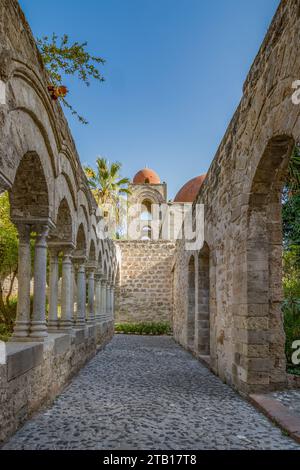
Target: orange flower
57	92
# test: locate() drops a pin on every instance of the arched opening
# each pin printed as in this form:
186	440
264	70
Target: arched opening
147	181
29	194
105	269
146	210
60	242
92	252
100	261
203	302
80	243
9	245
264	266
63	232
30	212
191	304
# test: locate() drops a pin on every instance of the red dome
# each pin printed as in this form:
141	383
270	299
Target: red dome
146	176
189	191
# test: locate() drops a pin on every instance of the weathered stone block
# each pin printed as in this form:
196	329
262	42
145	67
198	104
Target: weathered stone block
22	357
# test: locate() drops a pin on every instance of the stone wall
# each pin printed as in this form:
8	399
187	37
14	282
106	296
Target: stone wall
144	292
49	195
243	234
36	372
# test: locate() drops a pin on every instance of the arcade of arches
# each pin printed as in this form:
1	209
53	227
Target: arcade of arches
224	300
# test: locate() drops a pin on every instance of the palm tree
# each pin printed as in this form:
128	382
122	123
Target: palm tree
107	185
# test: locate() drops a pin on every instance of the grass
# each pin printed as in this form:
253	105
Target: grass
144	328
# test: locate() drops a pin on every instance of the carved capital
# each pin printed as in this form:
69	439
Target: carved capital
24	231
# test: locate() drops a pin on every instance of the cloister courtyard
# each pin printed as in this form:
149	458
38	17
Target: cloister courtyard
217	370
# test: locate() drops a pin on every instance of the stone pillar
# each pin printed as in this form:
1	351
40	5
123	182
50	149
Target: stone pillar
103	299
81	292
66	292
91	296
22	324
38	328
108	300
53	290
112	290
98	297
72	293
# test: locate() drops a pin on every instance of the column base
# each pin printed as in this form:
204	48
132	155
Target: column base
38	330
53	326
21	330
65	326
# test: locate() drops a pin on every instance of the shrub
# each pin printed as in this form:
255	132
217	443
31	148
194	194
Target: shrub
144	328
6	326
291	304
291	311
5	332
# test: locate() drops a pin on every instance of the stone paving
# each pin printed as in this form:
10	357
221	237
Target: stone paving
148	393
290	399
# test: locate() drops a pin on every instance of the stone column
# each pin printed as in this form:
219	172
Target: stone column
22	324
91	296
103	298
72	293
108	300
98	297
53	290
112	290
66	292
38	328
80	318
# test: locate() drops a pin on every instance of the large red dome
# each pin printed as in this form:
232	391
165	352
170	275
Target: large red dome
189	191
146	176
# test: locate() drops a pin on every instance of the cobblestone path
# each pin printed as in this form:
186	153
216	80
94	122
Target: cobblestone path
148	393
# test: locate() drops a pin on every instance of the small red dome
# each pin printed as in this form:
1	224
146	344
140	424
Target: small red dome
189	191
146	176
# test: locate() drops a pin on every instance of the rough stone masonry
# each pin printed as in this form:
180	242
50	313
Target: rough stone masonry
145	291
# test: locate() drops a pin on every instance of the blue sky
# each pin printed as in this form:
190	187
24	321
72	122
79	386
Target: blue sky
174	74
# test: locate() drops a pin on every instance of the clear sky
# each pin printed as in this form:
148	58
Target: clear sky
174	73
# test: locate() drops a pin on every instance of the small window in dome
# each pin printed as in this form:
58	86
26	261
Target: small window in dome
147	181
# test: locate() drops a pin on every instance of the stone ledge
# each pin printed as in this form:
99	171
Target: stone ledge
62	343
278	413
78	335
90	331
22	357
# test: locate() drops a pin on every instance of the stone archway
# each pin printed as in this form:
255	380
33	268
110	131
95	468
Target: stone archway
203	312
191	304
29	196
29	199
265	360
